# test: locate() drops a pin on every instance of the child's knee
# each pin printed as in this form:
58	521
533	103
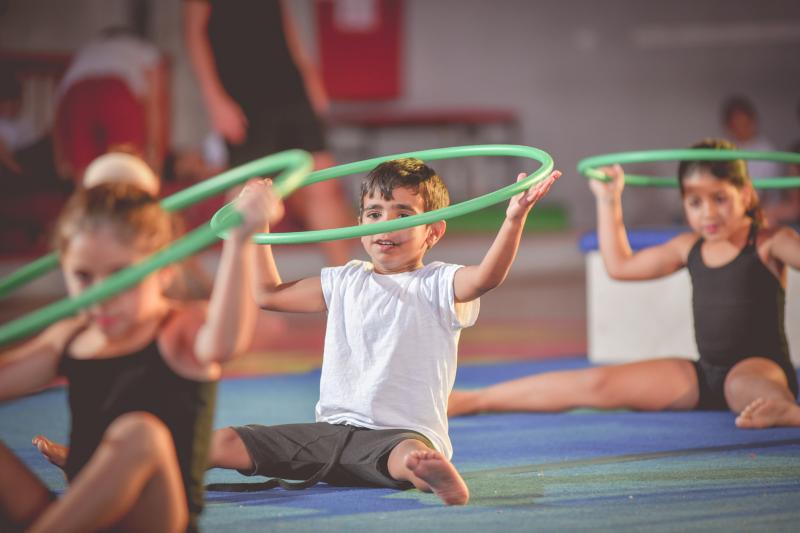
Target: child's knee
596	383
140	433
224	438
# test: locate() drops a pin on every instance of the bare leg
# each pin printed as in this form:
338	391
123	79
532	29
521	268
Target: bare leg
428	470
132	481
646	385
757	388
228	451
54	452
23	497
323	206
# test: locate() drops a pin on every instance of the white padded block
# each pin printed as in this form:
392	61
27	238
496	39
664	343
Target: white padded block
637	320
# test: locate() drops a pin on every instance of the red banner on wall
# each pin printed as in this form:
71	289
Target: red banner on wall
360	45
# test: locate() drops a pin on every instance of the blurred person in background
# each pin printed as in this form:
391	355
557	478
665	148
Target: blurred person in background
113	94
264	95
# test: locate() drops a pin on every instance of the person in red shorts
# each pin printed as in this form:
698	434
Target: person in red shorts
112	94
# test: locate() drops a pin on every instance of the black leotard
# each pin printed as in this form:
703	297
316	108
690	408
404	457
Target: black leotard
738	313
101	390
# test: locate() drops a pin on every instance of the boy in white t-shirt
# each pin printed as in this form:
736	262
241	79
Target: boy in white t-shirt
390	348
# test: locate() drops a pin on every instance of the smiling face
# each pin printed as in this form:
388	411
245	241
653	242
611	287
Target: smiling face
94	255
402	250
715	208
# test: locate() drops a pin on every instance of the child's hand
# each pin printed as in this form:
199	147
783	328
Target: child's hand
258	205
612	189
521	204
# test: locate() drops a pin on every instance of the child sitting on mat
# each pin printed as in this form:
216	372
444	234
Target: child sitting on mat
738	271
389	361
141	369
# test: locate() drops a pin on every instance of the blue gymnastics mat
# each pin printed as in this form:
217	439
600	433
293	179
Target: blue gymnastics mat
582	470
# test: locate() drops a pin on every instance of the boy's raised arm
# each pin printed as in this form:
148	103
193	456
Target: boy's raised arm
472	281
301	296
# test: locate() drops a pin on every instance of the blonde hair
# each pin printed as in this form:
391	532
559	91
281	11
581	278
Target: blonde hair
134	215
121	167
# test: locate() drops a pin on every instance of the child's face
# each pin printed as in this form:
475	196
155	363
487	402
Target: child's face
402	250
715	208
742	126
93	255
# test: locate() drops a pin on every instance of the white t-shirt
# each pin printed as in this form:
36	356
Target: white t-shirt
123	56
391	348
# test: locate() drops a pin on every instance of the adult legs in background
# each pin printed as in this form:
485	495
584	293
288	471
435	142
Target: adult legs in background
324	206
94	115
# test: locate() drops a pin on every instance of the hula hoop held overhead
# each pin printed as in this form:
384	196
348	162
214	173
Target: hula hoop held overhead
293	166
296	164
475	204
589	166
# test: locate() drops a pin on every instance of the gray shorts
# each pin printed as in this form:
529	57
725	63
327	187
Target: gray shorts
299	451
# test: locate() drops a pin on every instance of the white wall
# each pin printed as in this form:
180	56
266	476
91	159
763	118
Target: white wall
583	86
585	76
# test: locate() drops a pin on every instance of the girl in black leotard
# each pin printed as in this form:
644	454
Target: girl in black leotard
738	272
141	371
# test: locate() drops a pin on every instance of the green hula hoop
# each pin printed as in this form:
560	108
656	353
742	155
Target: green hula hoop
294	164
297	164
218	221
589	166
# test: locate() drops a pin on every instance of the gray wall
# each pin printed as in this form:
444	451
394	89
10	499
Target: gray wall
585	76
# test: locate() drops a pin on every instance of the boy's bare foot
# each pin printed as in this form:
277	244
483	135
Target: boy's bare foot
769	412
440	474
462	402
53	452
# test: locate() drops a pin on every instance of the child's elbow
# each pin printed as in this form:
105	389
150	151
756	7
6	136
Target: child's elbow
209	350
265	299
211	354
492	282
615	274
615	270
485	286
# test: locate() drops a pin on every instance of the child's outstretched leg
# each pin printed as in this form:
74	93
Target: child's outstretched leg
227	451
132	480
646	385
428	470
52	451
757	389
